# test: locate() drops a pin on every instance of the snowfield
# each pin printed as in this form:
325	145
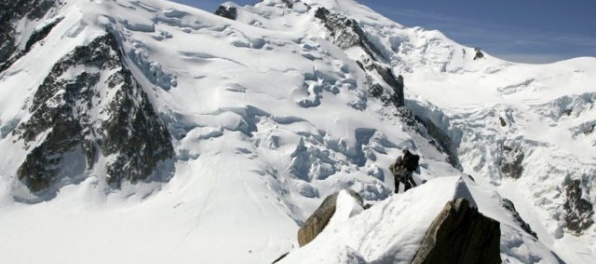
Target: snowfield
268	117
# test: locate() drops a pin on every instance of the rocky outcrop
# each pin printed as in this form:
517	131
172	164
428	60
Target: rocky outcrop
40	34
376	90
478	54
347	33
100	111
228	12
320	218
502	121
579	211
509	206
10	13
511	162
460	234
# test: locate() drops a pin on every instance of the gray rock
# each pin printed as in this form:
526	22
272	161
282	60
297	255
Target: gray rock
10	13
511	162
320	218
509	206
579	211
132	134
503	123
478	54
375	89
460	234
228	12
348	33
40	34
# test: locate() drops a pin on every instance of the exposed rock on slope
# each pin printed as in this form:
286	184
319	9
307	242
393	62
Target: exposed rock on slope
320	218
478	54
12	12
579	210
460	234
228	12
348	33
511	162
508	204
100	111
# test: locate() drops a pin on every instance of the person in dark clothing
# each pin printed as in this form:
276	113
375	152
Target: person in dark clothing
402	170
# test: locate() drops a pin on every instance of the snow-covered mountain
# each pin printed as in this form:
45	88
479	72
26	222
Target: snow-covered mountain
152	132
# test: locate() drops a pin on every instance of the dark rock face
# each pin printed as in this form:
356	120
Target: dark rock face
460	234
320	218
511	162
375	89
40	34
228	12
112	117
508	204
395	82
348	33
478	54
579	210
11	12
503	123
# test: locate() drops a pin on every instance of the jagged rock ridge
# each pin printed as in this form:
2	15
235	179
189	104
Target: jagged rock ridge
347	33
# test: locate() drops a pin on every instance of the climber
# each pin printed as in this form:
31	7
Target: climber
402	170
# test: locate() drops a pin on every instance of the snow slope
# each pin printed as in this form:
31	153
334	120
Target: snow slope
391	231
268	117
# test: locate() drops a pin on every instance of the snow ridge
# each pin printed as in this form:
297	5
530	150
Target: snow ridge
268	114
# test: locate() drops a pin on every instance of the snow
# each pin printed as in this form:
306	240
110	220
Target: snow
391	230
268	117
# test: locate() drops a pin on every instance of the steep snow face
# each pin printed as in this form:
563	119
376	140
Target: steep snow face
267	115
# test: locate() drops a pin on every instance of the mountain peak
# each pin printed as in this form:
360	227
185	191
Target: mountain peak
181	131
